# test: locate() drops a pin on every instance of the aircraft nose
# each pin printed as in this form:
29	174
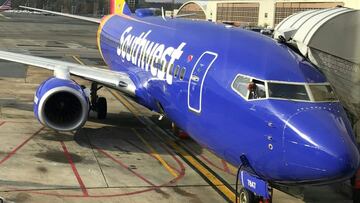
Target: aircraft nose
318	145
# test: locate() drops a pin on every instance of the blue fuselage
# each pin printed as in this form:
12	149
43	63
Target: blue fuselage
185	70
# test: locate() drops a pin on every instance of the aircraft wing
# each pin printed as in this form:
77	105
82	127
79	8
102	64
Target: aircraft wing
89	19
117	80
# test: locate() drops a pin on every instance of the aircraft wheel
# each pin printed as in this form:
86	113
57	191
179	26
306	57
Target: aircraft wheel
246	196
101	107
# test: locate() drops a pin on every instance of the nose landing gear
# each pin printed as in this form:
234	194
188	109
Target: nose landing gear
253	189
247	196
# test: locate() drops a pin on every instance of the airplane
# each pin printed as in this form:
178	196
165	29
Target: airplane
6	5
251	100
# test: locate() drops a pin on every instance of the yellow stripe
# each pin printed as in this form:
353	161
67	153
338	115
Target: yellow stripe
156	154
119	6
78	60
126	103
213	179
102	24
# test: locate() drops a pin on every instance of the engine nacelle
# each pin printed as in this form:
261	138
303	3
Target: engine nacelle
61	104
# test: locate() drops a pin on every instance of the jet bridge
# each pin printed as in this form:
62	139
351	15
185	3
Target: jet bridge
329	38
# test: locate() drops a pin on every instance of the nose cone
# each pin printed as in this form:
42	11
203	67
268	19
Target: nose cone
318	146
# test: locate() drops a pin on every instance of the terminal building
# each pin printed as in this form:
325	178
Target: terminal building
267	13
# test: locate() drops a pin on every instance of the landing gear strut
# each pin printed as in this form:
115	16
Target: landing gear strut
98	104
178	132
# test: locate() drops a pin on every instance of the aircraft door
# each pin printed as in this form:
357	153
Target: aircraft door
197	78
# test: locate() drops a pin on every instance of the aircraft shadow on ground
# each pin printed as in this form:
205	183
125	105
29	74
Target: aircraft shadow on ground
125	140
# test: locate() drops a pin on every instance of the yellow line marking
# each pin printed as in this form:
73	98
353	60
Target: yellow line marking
156	154
213	179
126	103
78	60
1	15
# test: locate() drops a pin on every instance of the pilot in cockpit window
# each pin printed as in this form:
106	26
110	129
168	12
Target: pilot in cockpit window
256	89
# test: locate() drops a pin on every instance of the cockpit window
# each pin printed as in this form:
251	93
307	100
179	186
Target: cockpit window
322	93
288	91
251	88
240	85
257	89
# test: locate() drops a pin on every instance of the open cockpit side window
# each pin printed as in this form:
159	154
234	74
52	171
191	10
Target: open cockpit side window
257	89
249	88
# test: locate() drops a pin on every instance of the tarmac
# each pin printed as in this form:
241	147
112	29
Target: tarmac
129	157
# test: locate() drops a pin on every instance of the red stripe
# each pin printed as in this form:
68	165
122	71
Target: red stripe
226	168
2	123
125	166
20	146
112	6
73	167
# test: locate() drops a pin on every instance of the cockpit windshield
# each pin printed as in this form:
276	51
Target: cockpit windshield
251	88
322	93
288	91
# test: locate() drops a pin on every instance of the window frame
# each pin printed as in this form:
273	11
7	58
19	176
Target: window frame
266	82
177	71
182	73
324	84
248	92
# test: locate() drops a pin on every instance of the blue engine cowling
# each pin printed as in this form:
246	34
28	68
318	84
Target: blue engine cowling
61	104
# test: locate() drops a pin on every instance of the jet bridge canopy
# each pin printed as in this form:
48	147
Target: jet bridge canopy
319	28
329	38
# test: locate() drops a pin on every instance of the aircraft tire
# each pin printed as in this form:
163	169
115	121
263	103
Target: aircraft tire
246	196
101	107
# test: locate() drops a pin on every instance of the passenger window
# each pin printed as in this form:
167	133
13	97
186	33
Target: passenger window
182	73
240	85
177	69
257	89
171	69
164	66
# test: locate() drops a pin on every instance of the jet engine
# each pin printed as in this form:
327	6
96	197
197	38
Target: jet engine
61	104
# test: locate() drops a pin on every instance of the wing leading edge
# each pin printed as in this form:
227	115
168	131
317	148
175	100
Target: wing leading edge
117	80
89	19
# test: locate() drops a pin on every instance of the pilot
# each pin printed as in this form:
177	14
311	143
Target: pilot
253	90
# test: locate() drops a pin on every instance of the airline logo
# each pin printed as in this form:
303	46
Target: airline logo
149	55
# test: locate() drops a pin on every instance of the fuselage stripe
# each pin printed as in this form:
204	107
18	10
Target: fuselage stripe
98	37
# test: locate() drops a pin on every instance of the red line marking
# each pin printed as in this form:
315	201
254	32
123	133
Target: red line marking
151	188
211	163
125	166
73	167
19	146
226	168
182	168
2	123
